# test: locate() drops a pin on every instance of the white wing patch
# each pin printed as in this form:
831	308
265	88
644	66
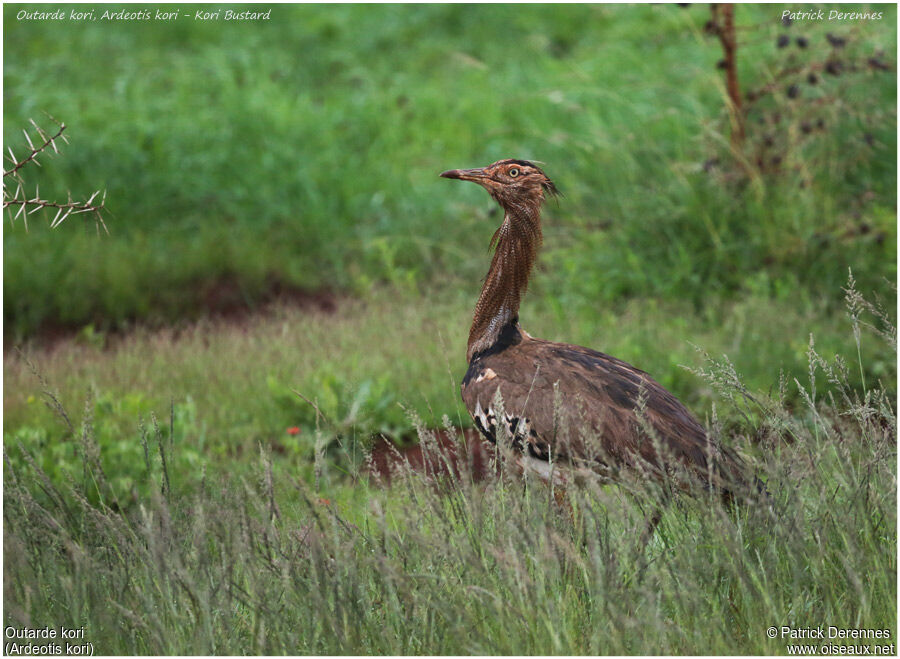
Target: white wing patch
519	428
486	419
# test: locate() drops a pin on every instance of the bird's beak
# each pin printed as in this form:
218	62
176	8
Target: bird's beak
477	175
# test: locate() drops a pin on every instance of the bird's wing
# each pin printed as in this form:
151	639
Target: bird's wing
577	403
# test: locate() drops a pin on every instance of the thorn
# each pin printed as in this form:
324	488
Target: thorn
39	130
100	219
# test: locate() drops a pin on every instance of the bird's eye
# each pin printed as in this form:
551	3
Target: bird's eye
513	172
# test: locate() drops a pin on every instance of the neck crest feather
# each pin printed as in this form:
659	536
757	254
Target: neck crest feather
517	242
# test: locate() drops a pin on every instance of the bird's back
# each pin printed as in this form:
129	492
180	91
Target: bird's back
577	405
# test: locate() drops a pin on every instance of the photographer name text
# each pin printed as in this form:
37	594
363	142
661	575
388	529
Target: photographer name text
830	632
832	15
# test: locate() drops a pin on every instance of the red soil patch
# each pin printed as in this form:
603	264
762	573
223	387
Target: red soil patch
450	455
224	297
221	299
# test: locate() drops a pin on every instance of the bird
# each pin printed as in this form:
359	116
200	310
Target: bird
565	408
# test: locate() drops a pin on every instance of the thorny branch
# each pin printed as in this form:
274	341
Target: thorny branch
28	206
63	210
48	141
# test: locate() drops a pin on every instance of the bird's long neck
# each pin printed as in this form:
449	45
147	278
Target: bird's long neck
517	242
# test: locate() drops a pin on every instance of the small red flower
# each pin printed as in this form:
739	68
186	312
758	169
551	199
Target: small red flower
293	430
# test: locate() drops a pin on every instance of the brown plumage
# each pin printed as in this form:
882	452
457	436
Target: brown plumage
565	404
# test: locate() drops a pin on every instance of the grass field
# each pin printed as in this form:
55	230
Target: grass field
153	491
215	547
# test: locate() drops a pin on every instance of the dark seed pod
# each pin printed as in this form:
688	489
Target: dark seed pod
721	64
834	67
802	42
768	140
869	139
878	65
837	42
793	91
786	21
812	79
820	123
776	160
805	128
783	41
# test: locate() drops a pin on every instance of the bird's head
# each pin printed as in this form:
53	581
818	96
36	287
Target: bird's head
512	183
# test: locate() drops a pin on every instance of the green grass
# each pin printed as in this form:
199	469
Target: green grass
271	543
226	562
305	152
232	384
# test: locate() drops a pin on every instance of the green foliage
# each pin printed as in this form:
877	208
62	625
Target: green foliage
367	408
303	153
132	461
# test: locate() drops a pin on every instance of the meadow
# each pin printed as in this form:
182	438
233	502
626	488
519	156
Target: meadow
189	400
